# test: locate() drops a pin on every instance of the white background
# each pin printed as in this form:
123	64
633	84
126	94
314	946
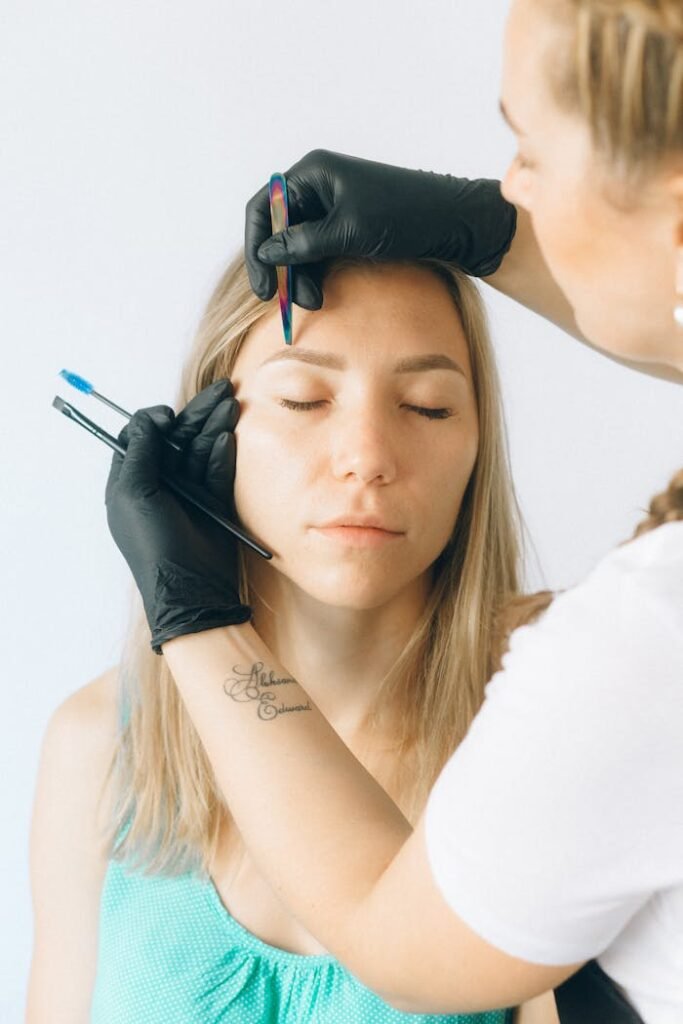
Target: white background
132	136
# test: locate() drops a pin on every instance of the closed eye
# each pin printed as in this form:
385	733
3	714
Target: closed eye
432	414
522	163
287	403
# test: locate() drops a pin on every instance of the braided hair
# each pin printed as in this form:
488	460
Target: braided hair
522	610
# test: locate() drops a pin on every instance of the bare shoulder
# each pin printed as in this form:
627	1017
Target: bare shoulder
77	749
81	734
68	854
93	704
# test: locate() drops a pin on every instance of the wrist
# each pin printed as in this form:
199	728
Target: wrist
238	636
183	622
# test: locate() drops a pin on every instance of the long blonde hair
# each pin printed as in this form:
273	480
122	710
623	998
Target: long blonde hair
622	71
167	809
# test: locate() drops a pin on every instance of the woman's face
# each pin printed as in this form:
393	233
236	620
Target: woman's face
370	413
614	258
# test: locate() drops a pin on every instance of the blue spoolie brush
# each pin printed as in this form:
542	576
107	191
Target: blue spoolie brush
81	384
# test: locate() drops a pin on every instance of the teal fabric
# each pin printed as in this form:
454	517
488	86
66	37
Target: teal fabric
170	953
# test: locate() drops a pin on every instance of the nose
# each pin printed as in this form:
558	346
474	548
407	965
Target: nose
363	447
512	188
507	184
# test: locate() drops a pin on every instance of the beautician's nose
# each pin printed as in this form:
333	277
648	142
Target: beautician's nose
512	188
363	447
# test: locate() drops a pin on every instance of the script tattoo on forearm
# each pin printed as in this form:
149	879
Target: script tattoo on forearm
254	684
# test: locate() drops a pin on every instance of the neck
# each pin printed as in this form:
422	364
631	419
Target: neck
339	655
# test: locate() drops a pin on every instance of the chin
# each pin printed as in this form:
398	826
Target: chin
355	590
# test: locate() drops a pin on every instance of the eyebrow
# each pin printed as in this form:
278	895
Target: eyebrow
410	364
508	120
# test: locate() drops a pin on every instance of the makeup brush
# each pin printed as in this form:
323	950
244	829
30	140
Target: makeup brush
185	489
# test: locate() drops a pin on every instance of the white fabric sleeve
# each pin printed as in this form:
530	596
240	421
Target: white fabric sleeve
562	809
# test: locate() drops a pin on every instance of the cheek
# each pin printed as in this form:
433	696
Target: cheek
275	466
595	257
446	476
265	472
566	234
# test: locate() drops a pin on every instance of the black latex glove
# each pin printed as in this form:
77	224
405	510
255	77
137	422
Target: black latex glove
184	563
342	205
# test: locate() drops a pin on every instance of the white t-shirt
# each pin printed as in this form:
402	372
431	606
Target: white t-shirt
555	831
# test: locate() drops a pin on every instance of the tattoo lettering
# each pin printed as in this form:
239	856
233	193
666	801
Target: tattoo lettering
251	684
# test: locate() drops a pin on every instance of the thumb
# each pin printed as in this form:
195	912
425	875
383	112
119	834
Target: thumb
140	474
310	242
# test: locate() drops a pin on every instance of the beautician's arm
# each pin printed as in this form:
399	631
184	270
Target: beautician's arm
524	276
333	845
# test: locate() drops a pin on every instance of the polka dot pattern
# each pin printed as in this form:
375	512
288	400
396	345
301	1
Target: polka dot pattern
170	953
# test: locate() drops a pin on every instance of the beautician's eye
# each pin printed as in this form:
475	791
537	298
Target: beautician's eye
522	164
432	414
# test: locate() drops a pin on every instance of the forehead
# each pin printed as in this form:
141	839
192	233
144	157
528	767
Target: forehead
527	38
372	315
539	44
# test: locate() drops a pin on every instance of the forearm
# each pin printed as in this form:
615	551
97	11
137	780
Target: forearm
524	276
335	838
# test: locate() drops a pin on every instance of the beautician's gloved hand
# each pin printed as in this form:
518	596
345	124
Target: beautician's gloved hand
184	563
342	205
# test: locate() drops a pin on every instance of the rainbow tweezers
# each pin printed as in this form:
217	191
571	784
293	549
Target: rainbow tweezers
279	219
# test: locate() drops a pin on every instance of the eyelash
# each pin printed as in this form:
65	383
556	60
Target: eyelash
523	164
432	414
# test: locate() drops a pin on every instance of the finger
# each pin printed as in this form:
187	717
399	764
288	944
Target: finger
307	289
163	416
310	242
219	479
223	418
190	421
309	196
112	479
257	228
140	474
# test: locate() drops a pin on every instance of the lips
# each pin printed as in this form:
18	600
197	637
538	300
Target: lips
365	522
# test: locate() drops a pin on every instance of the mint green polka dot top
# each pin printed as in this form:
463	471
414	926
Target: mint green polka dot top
170	953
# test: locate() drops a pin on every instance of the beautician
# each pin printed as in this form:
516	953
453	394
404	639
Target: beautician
550	855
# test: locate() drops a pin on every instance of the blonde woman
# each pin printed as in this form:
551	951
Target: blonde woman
169	917
577	752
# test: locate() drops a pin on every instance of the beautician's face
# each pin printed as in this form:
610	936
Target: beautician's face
366	444
615	265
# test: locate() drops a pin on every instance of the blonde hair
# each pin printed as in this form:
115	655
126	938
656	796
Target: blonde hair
523	609
167	809
623	73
